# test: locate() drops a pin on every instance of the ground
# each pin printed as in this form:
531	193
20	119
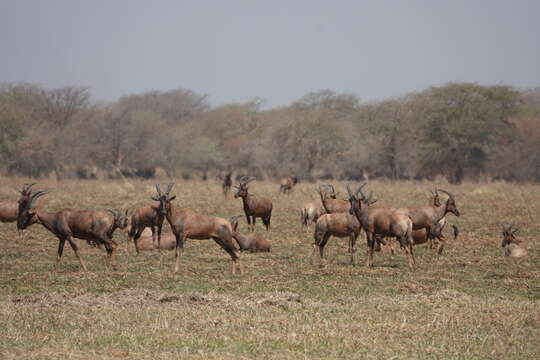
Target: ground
472	302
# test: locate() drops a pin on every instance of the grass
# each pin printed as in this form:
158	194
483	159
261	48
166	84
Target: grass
470	303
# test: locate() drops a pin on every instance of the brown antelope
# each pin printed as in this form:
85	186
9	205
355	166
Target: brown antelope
382	221
248	242
188	224
336	224
254	206
96	227
311	211
287	184
146	243
330	203
427	217
9	210
227	183
150	216
513	247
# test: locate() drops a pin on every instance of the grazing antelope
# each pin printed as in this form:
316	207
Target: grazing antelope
227	183
149	216
96	227
248	242
513	247
188	224
311	211
382	221
254	206
336	224
287	184
427	217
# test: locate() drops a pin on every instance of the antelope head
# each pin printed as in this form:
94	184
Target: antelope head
242	188
450	203
164	199
508	235
27	212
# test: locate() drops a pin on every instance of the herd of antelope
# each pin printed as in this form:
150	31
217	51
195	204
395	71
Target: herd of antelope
332	217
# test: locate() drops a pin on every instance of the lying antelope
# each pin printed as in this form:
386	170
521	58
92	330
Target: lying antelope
188	224
248	241
149	216
254	206
513	247
381	221
96	227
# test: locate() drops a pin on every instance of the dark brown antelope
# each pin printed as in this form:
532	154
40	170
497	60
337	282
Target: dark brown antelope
254	206
286	184
151	216
381	221
427	217
227	183
338	225
248	241
96	227
188	224
513	247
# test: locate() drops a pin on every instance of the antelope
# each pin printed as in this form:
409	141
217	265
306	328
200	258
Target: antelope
429	216
335	224
287	184
168	241
254	206
188	224
513	247
311	211
331	204
227	183
9	210
382	221
96	227
149	216
248	242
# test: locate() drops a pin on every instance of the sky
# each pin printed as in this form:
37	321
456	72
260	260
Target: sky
277	50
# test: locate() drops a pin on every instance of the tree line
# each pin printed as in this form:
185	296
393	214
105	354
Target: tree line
458	130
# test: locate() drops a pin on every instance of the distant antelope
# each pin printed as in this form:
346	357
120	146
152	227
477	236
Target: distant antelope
254	206
383	222
248	241
96	227
188	224
227	183
287	184
513	247
150	216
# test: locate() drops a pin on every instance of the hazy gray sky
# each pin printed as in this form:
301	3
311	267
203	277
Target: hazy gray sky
278	50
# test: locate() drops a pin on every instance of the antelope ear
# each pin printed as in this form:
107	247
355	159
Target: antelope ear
172	198
155	198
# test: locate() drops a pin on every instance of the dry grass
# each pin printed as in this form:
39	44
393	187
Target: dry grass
470	303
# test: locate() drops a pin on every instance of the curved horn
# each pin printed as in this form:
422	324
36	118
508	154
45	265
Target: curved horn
26	188
35	196
447	193
360	188
113	212
158	190
349	191
169	188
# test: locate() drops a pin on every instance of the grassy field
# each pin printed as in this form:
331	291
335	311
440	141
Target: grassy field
470	303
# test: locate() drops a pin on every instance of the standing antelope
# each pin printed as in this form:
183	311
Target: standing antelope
513	247
311	211
287	184
227	183
188	224
96	227
331	204
248	242
254	206
427	217
382	221
149	216
336	224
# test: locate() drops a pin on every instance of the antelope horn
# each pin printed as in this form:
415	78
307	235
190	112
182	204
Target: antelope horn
158	190
27	187
349	191
35	196
360	188
447	193
169	188
113	212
